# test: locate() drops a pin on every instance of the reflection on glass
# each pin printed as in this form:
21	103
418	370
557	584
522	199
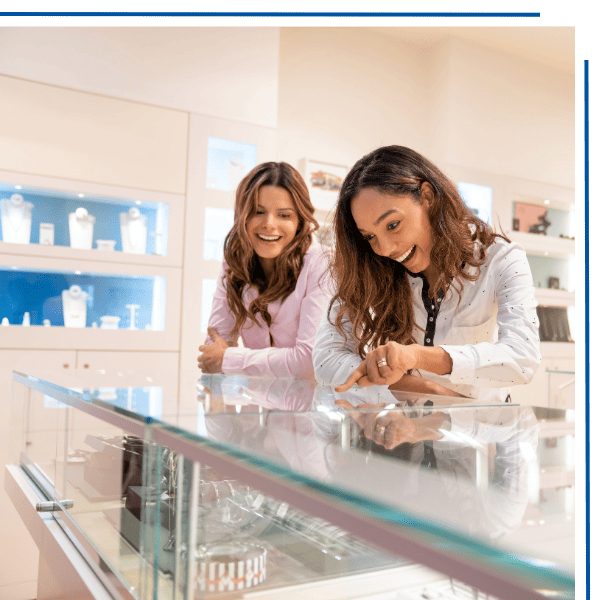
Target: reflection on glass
228	163
478	198
493	483
217	223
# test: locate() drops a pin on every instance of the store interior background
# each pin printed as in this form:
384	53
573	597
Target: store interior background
128	109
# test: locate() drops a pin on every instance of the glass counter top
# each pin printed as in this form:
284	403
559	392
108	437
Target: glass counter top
486	485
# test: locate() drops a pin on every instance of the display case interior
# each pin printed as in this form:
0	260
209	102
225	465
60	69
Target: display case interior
79	299
543	216
283	488
34	215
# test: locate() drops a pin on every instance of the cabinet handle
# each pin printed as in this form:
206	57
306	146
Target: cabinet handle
66	366
86	366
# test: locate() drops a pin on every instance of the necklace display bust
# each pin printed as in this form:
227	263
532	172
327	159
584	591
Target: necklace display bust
133	231
74	302
81	229
16	219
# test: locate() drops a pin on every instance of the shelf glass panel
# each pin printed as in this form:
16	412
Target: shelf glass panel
53	207
39	293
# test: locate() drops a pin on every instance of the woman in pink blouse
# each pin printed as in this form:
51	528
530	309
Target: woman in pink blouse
273	288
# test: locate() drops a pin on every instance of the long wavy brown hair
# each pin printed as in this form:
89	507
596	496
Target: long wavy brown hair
243	267
374	291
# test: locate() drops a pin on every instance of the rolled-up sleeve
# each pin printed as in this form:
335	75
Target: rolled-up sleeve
514	358
294	361
221	317
334	358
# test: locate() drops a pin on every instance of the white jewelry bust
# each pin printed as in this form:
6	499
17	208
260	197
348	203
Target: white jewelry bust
81	229
134	231
74	306
16	219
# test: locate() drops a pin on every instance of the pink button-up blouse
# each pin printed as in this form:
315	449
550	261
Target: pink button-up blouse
293	324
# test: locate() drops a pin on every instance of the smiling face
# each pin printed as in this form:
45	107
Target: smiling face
397	226
274	225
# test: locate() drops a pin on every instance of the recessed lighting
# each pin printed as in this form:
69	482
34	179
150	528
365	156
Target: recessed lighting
546	201
77	272
81	195
138	202
18	187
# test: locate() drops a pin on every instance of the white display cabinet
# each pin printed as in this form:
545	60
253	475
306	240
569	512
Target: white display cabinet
549	210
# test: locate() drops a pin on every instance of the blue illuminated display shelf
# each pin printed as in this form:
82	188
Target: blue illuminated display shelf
54	207
39	293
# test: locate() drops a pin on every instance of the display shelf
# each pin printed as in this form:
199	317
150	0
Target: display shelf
154	218
60	252
542	245
532	214
108	287
549	297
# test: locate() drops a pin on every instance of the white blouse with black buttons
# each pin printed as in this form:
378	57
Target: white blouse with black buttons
490	331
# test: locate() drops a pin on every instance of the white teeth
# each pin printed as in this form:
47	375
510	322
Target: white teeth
404	256
269	238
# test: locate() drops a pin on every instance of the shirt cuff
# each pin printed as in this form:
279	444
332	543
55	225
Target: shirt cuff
233	360
463	370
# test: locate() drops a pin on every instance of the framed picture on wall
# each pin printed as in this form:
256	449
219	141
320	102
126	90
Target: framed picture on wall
324	181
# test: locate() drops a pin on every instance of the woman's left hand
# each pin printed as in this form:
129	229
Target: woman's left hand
211	359
383	366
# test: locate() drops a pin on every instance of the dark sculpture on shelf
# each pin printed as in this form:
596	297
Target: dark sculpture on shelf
541	225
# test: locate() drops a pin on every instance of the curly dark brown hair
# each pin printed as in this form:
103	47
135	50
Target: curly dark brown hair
243	266
373	291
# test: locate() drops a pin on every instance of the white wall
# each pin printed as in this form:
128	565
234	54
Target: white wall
510	116
344	92
229	73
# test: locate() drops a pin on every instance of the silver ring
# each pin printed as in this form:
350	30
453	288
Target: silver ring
381	430
382	362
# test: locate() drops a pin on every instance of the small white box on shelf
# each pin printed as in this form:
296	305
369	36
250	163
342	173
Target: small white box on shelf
47	234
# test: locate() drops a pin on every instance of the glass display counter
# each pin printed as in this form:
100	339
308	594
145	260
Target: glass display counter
284	488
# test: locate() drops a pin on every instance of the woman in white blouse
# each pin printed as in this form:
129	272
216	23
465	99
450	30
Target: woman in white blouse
423	287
